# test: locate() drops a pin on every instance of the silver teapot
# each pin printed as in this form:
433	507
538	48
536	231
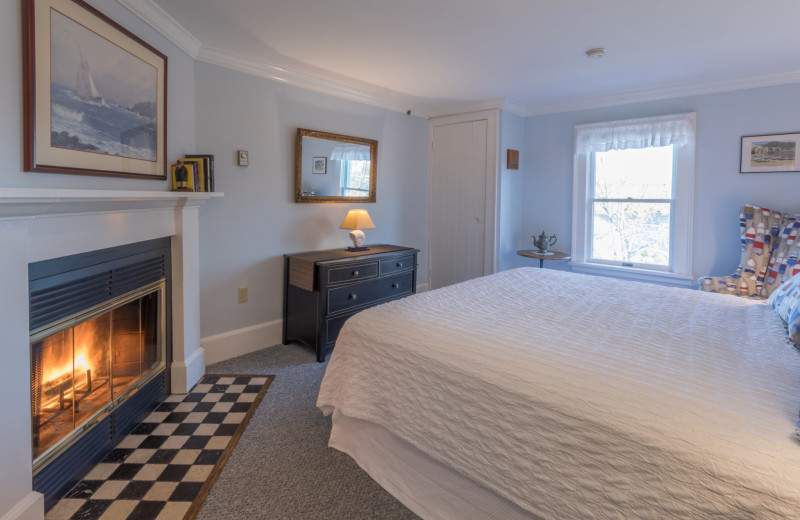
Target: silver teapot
543	241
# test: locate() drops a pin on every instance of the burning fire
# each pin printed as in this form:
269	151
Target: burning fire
73	371
64	368
77	371
80	362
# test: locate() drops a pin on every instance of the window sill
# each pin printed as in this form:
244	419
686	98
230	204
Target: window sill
633	273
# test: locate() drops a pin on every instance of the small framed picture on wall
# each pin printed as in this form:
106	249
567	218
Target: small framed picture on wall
319	164
770	153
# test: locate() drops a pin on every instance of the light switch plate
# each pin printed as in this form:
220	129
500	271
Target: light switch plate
243	157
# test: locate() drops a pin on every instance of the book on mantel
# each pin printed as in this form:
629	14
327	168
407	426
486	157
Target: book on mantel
206	162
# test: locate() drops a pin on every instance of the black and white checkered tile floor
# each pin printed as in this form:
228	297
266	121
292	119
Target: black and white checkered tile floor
158	471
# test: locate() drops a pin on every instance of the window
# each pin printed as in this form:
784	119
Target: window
355	179
633	197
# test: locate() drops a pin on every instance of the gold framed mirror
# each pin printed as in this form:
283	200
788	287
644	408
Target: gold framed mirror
334	167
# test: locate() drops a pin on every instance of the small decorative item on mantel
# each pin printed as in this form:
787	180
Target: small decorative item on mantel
184	176
543	242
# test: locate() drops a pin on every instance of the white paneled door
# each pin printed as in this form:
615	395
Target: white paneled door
458	202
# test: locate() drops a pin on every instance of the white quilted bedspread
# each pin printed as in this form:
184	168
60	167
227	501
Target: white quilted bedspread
582	397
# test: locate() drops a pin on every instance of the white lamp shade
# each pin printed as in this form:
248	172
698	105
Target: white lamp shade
357	219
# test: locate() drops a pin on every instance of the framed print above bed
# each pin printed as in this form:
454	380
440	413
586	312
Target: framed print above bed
94	95
770	153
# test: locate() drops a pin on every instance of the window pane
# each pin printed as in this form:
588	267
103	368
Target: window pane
355	180
636	232
644	173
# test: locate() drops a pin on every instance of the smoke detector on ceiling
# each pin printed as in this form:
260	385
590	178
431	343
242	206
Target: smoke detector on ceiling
596	53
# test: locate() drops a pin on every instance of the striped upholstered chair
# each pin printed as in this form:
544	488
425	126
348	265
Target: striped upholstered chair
770	249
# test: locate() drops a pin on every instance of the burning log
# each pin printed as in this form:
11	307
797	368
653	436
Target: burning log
55	390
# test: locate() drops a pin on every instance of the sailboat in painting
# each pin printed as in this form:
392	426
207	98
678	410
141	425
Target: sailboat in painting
86	88
102	98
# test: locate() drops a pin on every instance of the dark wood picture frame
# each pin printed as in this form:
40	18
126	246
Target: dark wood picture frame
119	80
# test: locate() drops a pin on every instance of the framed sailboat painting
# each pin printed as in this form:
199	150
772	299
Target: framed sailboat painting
94	94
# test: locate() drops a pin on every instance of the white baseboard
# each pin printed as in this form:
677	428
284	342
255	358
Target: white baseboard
242	341
185	375
249	339
31	507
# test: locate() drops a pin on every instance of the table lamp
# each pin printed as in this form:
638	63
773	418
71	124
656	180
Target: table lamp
357	219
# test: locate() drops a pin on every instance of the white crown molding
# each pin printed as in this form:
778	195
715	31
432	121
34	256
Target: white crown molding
454	109
674	91
152	14
514	108
391	101
479	106
157	18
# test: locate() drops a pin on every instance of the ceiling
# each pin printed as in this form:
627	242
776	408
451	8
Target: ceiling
528	54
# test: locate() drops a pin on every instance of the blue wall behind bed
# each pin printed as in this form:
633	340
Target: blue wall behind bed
720	190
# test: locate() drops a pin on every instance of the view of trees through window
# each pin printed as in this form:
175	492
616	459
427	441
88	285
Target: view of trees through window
631	206
355	182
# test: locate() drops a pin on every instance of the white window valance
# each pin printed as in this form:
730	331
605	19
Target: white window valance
677	130
350	152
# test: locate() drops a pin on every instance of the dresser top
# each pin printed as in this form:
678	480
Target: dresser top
301	265
343	254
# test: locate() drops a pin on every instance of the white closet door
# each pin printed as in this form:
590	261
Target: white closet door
458	202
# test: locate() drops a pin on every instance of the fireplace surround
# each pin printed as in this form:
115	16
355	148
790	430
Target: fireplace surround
39	224
99	352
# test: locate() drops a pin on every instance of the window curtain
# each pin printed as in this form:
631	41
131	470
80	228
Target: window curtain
350	152
676	130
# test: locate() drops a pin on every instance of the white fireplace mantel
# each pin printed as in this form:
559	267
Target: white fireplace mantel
38	202
39	224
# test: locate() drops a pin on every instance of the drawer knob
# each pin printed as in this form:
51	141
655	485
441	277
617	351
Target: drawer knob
352	296
355	273
395	285
399	264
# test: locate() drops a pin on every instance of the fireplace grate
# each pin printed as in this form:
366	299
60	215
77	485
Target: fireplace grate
130	277
55	302
63	294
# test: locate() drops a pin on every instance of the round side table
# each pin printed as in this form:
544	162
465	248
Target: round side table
550	255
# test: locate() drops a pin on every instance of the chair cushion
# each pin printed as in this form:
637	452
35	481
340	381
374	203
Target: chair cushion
783	262
786	302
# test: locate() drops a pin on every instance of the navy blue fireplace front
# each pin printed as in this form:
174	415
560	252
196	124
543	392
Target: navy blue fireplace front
100	346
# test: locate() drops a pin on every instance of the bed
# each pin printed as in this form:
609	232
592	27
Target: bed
535	393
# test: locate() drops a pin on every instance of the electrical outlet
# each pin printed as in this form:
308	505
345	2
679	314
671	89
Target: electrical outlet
242	294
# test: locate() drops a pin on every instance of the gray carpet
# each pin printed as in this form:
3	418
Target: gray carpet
282	467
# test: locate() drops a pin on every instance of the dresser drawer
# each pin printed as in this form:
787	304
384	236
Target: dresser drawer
400	263
353	272
367	293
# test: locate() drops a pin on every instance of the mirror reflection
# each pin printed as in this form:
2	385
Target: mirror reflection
334	168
